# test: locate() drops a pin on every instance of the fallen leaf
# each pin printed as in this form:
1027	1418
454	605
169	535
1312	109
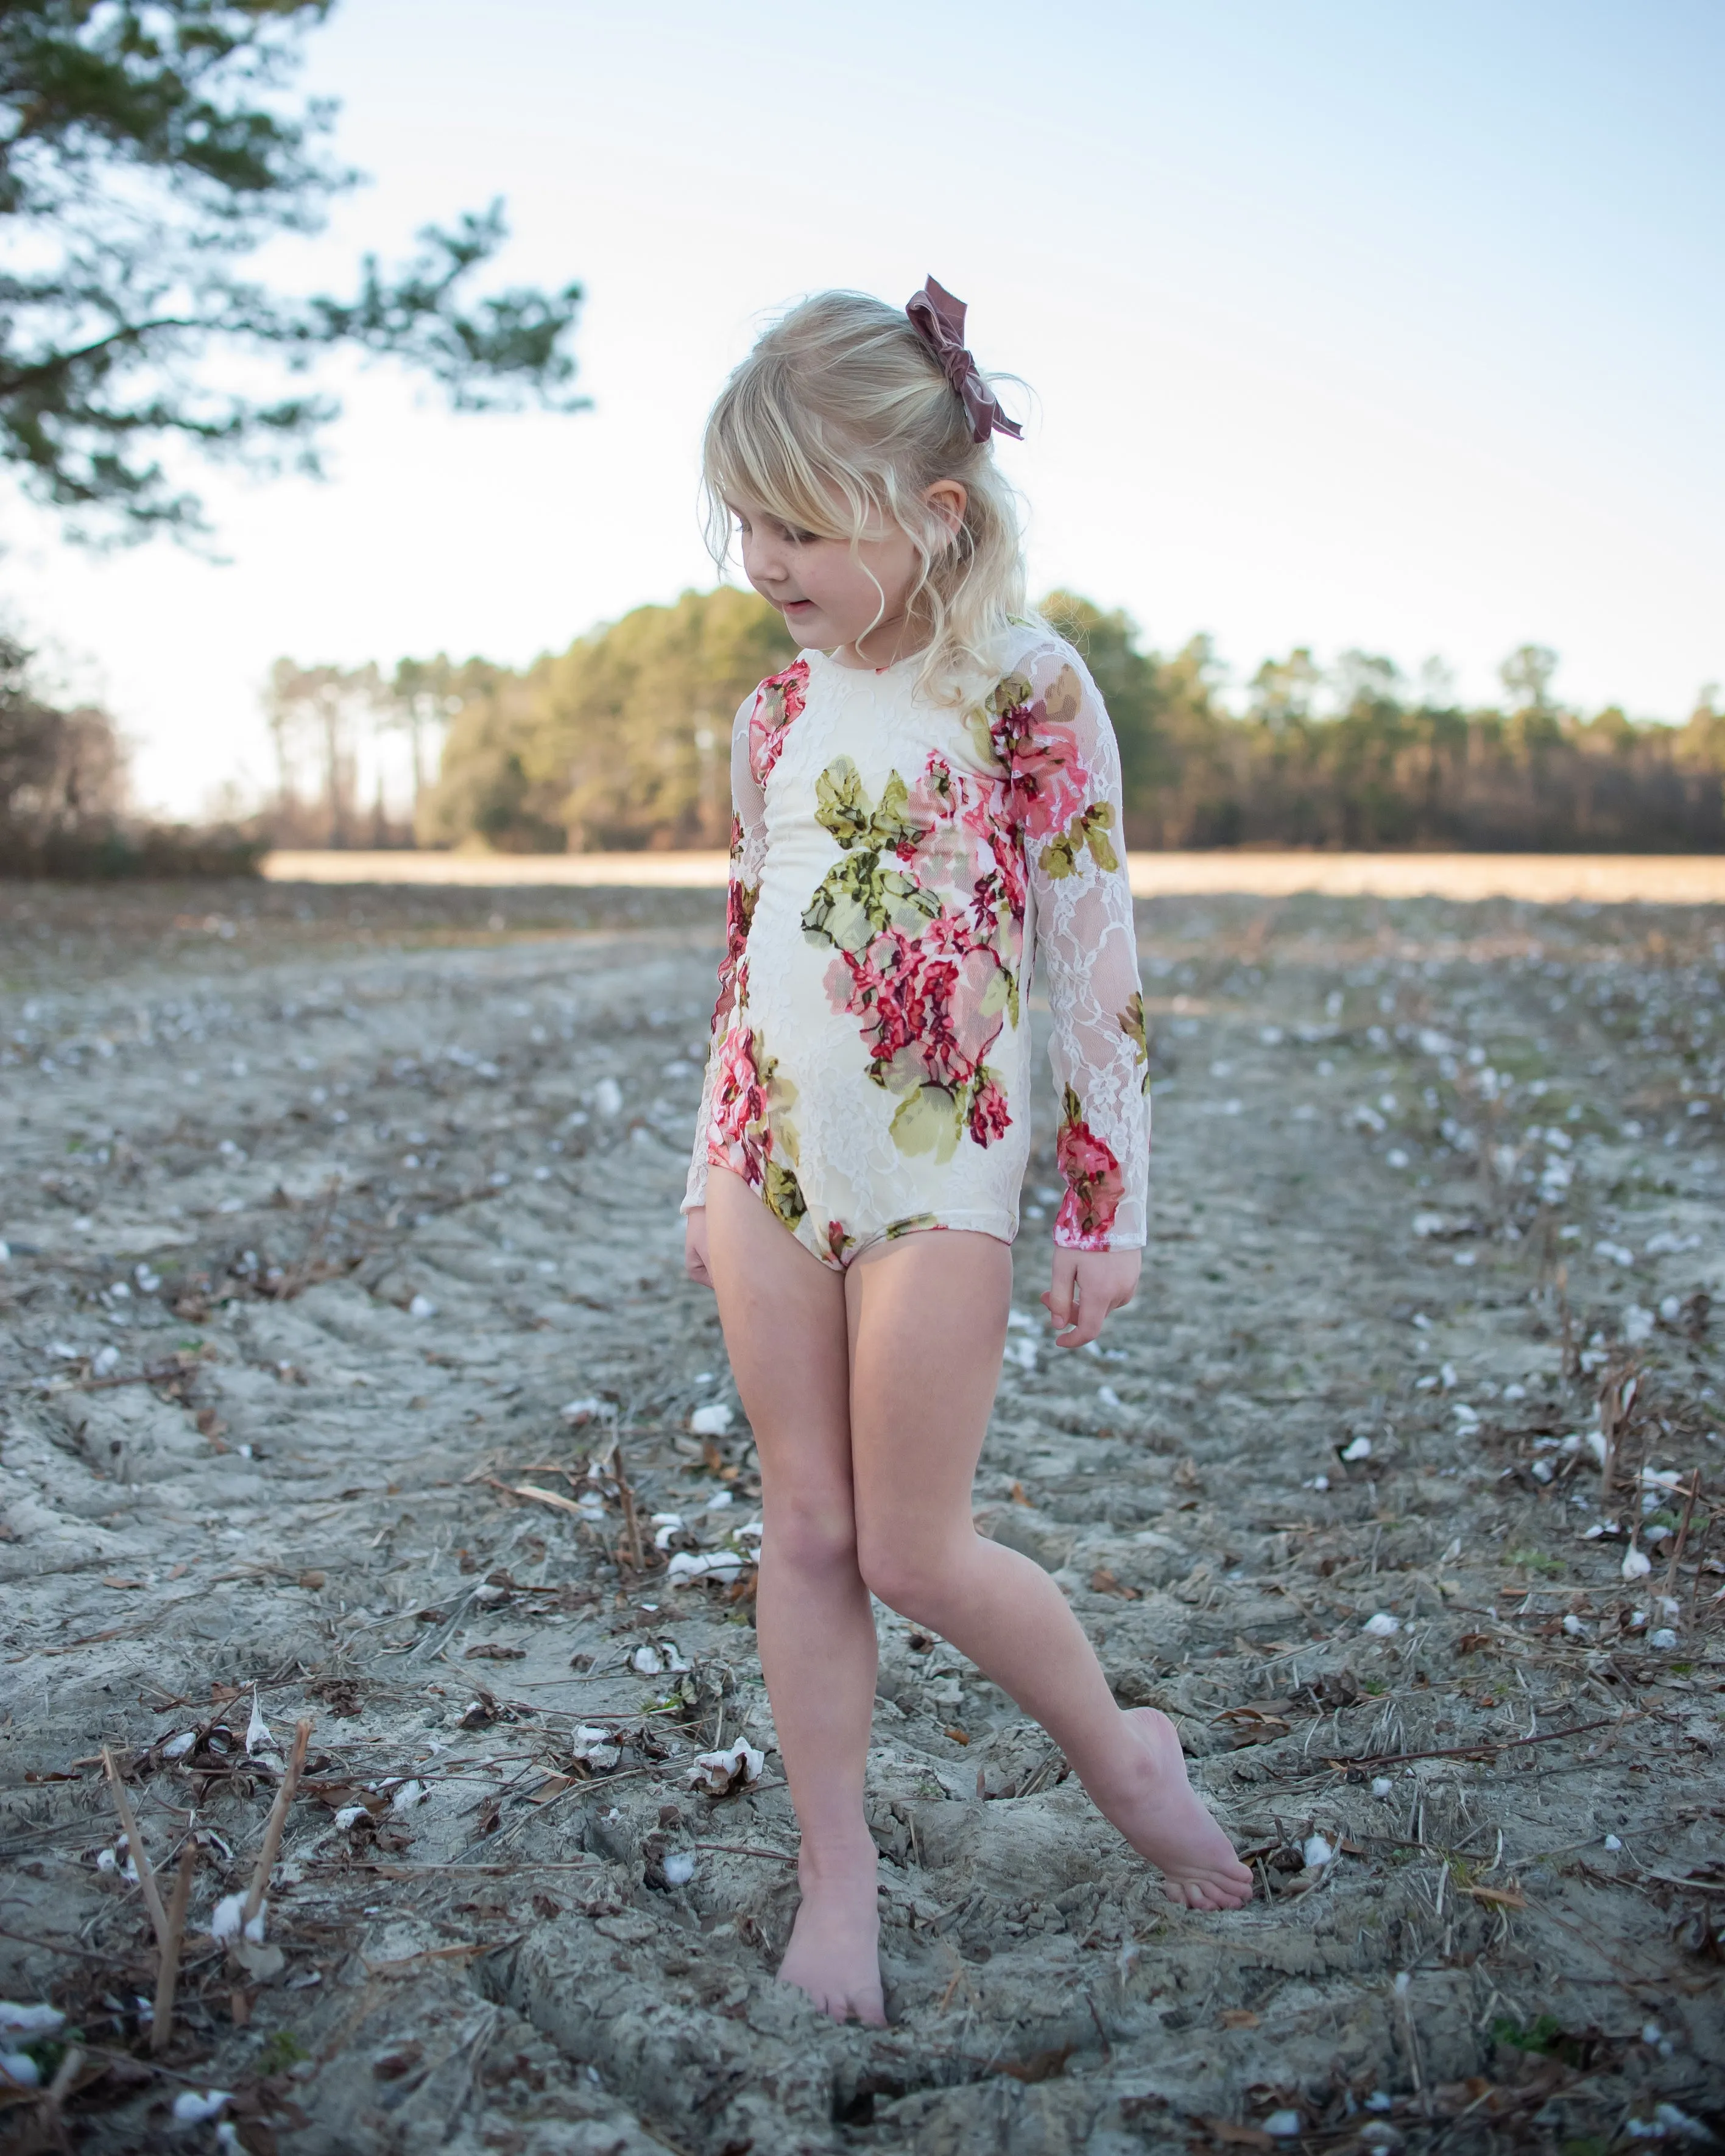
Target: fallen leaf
489	1651
1502	1897
1103	1581
552	1786
1471	1643
1239	2017
1225	2131
114	1579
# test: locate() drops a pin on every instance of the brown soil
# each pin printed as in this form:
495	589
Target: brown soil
1436	1219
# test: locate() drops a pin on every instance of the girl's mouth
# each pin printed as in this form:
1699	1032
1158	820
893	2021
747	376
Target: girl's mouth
798	606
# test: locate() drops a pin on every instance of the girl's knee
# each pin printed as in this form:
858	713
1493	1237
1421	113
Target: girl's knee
914	1580
810	1535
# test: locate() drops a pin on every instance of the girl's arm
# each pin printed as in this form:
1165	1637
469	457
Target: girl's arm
1067	772
748	848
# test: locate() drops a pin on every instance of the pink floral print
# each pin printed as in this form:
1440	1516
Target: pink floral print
779	699
1094	1184
890	886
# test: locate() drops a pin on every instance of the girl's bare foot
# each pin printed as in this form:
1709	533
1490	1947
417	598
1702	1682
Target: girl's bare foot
834	1953
1156	1807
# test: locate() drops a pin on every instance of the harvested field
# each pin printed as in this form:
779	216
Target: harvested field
348	1376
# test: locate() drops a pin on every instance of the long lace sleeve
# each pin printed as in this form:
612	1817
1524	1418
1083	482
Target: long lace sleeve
1067	777
748	848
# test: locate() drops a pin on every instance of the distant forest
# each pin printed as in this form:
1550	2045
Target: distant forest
622	740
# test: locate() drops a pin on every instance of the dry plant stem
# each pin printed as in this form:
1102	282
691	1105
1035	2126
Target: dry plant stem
128	1820
1608	1434
70	2065
276	1822
168	1976
631	1526
1670	1575
1570	1365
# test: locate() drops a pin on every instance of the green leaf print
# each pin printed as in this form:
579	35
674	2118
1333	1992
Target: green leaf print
844	810
860	898
929	1120
1060	856
912	1224
1133	1025
843	807
784	1193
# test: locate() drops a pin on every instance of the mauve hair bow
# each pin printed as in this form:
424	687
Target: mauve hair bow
938	319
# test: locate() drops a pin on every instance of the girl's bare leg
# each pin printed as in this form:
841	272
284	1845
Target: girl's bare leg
784	1315
927	1326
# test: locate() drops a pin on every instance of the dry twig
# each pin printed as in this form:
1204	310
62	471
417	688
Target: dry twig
168	1975
276	1822
140	1862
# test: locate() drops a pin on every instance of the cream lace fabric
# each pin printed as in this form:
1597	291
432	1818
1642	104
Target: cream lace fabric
899	871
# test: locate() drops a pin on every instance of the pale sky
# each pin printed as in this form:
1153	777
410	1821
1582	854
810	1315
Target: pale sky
1351	325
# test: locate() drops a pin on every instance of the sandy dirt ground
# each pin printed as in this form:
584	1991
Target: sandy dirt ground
348	1376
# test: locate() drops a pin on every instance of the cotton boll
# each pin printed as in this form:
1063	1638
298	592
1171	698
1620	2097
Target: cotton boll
178	1745
645	1662
105	1361
1381	1625
687	1565
1574	1627
588	1408
422	1306
607	1097
1382	1786
407	1795
1358	1448
1283	2125
350	1816
679	1867
713	1420
18	2069
1636	1563
257	1730
1664	1639
1612	1844
16	2020
193	2108
1637	1324
255	1927
227	1917
718	1771
1317	1852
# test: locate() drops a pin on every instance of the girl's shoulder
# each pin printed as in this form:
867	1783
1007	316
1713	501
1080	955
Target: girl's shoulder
1033	649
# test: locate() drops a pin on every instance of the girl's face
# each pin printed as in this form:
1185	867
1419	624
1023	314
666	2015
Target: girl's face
850	601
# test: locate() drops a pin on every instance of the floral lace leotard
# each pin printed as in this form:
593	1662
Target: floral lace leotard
897	868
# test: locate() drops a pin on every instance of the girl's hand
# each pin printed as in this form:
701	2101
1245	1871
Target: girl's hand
695	1247
1087	1284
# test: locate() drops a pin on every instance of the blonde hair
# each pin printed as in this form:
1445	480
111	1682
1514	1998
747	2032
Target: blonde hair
841	415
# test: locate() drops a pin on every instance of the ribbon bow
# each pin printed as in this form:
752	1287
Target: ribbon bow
938	319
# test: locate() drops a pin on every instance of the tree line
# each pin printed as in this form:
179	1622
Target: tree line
623	742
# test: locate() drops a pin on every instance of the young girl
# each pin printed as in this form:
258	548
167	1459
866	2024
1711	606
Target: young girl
927	801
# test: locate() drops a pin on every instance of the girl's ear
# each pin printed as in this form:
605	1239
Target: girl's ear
948	499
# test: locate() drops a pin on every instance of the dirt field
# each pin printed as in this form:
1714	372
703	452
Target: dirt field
347	1372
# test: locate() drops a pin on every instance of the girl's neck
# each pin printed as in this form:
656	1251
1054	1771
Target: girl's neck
884	646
